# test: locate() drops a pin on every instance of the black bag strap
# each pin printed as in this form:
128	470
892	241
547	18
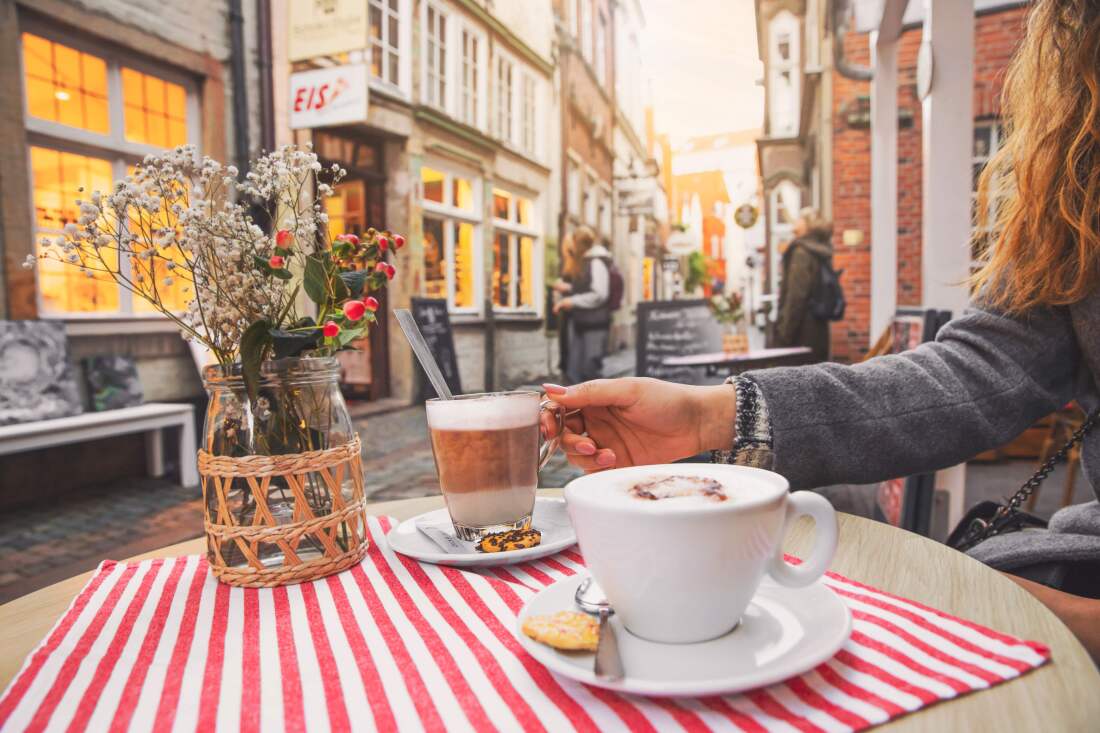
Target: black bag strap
1007	516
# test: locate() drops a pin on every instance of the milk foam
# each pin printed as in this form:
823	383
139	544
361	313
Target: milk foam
484	413
620	489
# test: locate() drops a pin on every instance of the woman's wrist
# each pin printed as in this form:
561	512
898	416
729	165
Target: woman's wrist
717	407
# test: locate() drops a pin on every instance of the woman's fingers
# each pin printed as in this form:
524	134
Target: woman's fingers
597	393
574	444
601	461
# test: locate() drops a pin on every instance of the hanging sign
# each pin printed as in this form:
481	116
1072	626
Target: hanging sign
325	27
335	95
745	216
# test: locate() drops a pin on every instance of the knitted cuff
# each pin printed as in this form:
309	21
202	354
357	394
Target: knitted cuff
752	444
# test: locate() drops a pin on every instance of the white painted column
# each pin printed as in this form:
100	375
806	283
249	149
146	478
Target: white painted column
884	183
948	132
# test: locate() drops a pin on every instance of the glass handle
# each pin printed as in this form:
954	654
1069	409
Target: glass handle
547	446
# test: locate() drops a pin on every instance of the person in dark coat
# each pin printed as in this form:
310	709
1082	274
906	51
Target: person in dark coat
802	260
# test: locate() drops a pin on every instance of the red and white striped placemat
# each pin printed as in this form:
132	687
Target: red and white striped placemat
395	644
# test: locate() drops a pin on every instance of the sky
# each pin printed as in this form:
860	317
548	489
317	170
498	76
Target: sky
702	59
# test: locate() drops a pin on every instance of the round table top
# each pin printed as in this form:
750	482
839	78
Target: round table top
1059	696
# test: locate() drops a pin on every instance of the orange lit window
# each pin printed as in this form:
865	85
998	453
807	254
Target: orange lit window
515	252
450	254
155	110
65	85
57	180
160	279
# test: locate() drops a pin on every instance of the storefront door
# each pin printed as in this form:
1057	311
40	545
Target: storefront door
359	203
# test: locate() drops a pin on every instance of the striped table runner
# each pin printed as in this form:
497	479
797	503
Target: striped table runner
395	644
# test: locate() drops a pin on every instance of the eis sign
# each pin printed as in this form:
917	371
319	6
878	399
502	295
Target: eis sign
333	96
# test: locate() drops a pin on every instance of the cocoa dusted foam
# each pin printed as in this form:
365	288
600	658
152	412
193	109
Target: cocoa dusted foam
678	487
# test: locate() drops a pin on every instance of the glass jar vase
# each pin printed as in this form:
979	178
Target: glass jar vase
281	475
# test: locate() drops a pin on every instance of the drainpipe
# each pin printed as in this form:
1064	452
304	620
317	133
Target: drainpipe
839	15
241	145
267	86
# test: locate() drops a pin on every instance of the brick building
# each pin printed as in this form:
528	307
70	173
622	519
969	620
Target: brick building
822	157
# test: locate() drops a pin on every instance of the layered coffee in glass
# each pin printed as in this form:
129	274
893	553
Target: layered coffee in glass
487	454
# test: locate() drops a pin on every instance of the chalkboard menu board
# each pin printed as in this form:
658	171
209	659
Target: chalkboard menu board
675	328
431	316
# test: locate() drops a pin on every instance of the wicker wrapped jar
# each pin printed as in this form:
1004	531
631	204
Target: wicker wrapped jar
282	480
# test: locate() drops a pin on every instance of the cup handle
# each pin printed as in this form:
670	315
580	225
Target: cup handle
817	507
548	446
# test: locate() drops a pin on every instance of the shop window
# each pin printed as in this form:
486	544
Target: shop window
451	225
72	94
515	253
385	40
647	278
64	85
155	110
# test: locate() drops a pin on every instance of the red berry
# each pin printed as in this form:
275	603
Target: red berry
398	241
354	310
383	243
283	237
380	267
331	329
390	271
349	238
371	303
277	262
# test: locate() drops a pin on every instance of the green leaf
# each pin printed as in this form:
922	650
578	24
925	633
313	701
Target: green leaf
254	342
347	335
315	280
282	273
288	343
261	264
355	280
339	288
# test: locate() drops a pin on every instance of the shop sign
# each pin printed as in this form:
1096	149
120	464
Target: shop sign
745	216
326	27
332	96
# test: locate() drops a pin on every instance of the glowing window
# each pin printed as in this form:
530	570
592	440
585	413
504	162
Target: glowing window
155	110
65	85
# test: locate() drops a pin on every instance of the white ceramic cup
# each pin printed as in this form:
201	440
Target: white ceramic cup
679	572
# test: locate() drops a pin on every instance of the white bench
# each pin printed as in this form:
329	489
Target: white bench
150	419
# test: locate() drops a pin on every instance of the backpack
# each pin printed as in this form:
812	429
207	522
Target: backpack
827	300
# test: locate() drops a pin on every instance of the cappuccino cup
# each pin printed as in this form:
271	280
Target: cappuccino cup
488	451
680	549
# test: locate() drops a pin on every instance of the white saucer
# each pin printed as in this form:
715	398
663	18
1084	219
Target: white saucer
549	517
784	632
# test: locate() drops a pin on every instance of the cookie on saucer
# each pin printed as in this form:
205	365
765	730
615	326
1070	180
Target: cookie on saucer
565	630
513	539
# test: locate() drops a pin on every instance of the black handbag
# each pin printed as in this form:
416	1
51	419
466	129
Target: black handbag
989	518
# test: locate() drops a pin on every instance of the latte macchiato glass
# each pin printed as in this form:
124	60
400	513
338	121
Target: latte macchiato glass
680	549
488	450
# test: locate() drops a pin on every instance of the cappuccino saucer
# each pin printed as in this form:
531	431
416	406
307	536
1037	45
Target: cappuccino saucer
784	632
549	517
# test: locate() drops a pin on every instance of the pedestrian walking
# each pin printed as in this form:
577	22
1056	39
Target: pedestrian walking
587	285
800	321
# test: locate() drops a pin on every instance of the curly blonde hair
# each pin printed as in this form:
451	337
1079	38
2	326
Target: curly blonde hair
1039	197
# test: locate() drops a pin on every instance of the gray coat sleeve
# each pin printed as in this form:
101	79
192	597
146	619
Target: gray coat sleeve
981	383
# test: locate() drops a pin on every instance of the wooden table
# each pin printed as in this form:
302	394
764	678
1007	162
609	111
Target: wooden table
735	363
1060	696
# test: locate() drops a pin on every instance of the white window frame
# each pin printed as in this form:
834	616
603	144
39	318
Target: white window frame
528	103
784	101
483	73
404	48
112	146
504	128
448	212
573	12
434	72
515	230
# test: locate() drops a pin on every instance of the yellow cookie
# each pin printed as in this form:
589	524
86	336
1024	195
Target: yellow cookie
514	539
568	630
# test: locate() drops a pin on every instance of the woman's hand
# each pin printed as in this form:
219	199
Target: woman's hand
561	286
635	421
564	304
